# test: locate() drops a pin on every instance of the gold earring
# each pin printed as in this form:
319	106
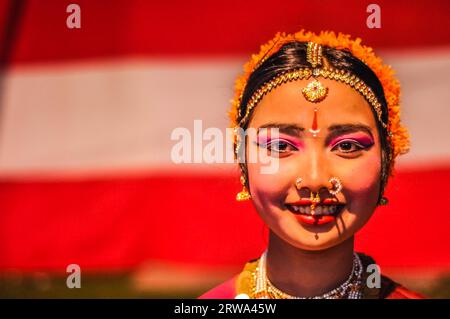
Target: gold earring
383	201
243	195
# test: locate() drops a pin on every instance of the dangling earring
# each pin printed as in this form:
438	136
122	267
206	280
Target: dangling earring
383	201
243	194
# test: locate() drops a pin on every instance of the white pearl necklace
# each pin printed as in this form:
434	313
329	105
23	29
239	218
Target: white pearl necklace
350	289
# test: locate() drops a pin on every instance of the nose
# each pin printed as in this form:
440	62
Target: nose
314	172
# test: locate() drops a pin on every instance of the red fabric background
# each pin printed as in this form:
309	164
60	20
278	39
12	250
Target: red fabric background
117	28
119	223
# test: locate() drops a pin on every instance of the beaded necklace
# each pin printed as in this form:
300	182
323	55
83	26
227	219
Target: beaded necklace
350	289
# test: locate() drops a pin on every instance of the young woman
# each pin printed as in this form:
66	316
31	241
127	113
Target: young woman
335	108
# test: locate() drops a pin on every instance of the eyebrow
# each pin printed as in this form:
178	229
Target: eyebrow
334	130
341	129
289	129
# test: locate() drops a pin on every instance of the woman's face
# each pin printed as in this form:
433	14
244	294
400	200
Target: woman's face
347	147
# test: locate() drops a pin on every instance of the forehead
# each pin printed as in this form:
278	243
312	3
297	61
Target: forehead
286	104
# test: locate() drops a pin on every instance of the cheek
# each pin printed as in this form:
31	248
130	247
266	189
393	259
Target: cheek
271	187
362	177
264	185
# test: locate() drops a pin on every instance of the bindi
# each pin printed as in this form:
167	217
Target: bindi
314	127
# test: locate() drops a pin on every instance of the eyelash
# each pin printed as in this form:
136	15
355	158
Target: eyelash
269	144
359	146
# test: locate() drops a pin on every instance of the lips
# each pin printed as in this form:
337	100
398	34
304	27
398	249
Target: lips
323	213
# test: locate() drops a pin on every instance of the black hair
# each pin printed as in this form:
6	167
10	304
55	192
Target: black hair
292	56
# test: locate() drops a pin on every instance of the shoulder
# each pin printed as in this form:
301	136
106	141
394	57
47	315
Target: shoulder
226	290
239	284
400	292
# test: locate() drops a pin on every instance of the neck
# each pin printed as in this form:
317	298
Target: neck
307	273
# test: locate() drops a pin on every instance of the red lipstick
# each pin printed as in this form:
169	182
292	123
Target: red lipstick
313	216
315	219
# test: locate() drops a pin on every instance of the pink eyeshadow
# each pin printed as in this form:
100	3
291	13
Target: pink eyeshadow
363	139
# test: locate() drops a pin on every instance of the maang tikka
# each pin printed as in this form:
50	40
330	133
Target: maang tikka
314	92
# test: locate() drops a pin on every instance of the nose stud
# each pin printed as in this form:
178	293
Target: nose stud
298	181
336	186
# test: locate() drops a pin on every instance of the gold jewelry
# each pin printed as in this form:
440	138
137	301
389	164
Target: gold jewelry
336	186
298	181
315	200
345	77
262	288
314	54
383	201
315	92
243	195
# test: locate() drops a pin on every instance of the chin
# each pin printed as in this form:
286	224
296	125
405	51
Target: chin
321	242
313	241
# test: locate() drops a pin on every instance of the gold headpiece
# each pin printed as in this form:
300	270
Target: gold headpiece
314	92
314	54
398	135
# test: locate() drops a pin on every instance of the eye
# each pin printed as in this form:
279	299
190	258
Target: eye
348	146
279	146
